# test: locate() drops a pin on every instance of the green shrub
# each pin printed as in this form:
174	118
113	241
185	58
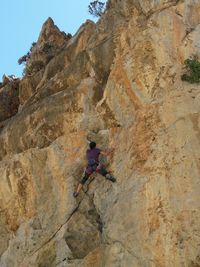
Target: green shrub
193	71
26	57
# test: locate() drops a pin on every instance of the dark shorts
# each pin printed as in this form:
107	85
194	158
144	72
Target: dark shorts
90	169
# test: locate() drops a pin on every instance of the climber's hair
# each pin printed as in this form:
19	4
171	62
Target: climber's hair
92	145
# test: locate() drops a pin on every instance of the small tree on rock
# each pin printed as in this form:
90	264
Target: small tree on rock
26	57
96	8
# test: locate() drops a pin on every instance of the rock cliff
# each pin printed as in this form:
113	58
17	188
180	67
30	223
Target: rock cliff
116	82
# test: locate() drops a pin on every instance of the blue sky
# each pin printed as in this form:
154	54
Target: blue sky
21	22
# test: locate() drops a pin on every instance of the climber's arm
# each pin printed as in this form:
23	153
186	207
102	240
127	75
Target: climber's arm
107	152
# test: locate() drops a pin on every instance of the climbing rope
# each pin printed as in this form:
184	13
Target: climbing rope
102	246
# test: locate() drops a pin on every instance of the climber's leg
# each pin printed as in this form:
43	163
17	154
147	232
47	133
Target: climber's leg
100	169
87	174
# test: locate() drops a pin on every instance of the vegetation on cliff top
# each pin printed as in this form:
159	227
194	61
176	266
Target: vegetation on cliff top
96	8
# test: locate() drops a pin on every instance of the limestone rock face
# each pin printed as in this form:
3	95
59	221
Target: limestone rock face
9	97
117	82
50	42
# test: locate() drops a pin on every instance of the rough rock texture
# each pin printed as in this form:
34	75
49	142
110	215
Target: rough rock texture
116	82
9	97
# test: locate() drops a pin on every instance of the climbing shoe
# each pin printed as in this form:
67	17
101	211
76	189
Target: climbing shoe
75	194
110	177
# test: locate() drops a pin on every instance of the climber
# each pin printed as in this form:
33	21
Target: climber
92	156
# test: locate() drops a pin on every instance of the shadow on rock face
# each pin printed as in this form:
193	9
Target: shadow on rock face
84	230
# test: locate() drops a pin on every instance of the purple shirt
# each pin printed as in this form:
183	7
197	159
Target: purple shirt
93	154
